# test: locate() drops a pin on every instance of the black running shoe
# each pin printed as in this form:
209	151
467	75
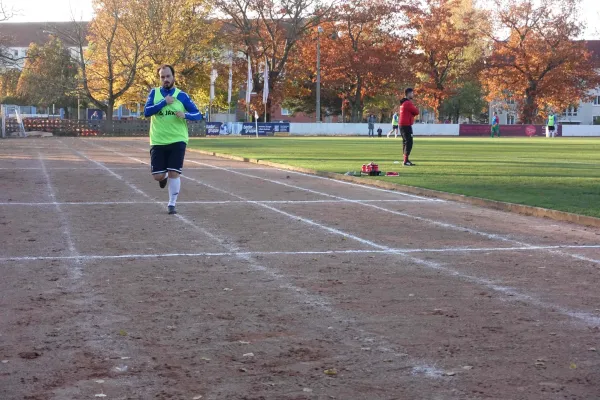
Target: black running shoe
163	183
408	164
172	210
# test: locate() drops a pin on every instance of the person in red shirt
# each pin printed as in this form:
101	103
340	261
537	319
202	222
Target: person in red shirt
408	112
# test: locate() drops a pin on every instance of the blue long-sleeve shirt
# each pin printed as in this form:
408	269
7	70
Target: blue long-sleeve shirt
192	112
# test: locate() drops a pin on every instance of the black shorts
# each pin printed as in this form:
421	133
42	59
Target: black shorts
167	157
406	131
551	128
394	127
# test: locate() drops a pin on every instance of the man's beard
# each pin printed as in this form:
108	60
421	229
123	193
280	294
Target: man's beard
168	86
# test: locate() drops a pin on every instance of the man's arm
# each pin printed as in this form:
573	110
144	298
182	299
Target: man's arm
192	112
415	110
150	108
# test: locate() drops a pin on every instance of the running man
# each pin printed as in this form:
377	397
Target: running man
394	126
169	108
408	112
495	125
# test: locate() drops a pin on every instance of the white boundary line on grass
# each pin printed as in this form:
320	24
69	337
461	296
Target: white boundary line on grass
317	301
297	253
511	293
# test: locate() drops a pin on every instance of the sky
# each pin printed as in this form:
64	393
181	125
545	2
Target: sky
62	10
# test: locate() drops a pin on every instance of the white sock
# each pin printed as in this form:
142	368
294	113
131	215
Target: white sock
174	186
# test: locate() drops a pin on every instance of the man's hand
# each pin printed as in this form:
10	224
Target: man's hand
180	114
169	99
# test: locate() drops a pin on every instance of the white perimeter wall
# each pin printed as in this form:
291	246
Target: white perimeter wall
581	130
313	129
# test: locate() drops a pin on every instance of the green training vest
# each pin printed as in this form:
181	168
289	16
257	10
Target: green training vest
395	120
551	120
165	126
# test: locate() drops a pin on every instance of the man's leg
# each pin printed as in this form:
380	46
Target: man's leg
396	132
158	164
403	144
407	143
175	165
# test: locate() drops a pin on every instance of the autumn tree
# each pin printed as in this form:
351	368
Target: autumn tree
48	76
184	36
361	55
117	41
539	61
9	79
268	31
443	34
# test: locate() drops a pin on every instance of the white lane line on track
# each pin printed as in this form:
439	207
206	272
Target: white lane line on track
74	270
99	203
511	293
314	300
441	224
296	253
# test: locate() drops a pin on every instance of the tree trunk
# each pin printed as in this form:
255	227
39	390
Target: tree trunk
110	105
357	104
109	111
529	104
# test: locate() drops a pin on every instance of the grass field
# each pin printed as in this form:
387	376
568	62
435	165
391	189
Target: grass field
561	174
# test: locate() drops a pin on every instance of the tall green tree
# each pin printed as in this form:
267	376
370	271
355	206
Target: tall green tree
9	80
49	76
467	102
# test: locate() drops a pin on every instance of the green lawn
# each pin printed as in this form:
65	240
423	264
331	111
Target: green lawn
560	173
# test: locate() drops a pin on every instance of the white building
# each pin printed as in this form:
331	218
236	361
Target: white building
17	36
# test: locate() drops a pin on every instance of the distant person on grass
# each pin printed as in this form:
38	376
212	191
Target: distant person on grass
408	112
371	122
169	108
394	126
495	125
551	123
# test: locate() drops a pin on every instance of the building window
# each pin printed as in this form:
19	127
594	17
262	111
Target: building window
510	120
597	101
596	120
510	101
570	112
285	111
16	53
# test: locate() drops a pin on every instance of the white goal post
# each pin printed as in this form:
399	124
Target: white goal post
12	122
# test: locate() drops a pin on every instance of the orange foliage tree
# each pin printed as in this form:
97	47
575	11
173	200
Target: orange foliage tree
539	63
361	56
268	30
443	34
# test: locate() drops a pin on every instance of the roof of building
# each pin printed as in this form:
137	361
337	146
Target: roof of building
22	34
594	47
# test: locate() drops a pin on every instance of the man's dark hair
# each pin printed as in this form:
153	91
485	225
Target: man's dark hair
407	91
166	66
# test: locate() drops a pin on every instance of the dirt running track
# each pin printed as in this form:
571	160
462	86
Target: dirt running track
268	278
